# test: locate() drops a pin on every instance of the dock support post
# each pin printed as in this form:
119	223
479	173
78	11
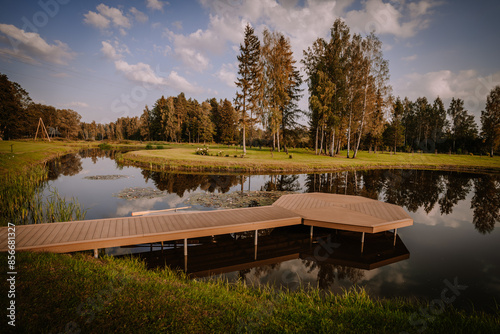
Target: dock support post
311	232
255	244
362	241
96	253
395	234
185	247
162	246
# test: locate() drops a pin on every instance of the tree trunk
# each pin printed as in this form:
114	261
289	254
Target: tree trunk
316	141
322	136
349	134
278	137
332	153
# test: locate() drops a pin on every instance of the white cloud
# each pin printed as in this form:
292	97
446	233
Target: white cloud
32	47
109	51
97	20
144	74
155	4
115	15
227	74
77	104
139	72
114	51
106	15
138	15
467	85
393	18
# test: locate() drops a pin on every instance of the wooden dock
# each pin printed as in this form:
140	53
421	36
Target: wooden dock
351	213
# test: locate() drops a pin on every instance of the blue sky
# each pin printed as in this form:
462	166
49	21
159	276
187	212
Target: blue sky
109	58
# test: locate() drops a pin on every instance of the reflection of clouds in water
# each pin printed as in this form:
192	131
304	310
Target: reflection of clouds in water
84	172
290	273
393	274
460	217
126	207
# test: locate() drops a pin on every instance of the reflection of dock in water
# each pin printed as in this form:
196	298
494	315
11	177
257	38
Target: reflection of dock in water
283	244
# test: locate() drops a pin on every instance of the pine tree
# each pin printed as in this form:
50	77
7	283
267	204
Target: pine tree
248	68
490	120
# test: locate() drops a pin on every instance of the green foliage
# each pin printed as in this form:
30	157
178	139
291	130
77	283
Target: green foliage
105	146
490	121
149	147
159	147
22	200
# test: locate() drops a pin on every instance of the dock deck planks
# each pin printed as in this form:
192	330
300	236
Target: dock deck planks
352	213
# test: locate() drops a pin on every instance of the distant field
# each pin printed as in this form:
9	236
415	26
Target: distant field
262	160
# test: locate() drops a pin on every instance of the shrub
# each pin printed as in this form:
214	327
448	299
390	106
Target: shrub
105	146
202	151
149	147
159	147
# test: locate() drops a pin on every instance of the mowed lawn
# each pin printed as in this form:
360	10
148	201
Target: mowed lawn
184	157
16	155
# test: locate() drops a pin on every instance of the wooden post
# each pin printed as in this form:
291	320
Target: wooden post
362	241
162	246
185	247
311	232
96	253
256	237
395	234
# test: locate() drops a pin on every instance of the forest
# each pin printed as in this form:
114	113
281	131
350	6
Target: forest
350	106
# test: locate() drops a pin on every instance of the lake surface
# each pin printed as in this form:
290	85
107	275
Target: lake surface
455	239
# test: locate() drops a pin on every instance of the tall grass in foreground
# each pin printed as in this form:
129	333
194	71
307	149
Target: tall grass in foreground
22	200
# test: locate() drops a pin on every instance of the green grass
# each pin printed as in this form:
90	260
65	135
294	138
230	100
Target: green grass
63	293
28	153
183	157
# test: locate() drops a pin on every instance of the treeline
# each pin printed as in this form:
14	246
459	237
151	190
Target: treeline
181	120
19	115
351	105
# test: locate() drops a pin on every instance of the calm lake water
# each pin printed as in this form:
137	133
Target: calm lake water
455	238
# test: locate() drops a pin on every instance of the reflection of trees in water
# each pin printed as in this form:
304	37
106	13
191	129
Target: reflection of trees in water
180	183
328	273
457	189
486	202
282	183
415	189
67	165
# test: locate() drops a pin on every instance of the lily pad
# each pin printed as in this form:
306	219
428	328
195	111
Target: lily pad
106	177
236	199
139	193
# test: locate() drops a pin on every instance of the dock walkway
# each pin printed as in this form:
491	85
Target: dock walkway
343	212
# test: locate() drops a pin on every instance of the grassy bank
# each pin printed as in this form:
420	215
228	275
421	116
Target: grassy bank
21	155
68	293
222	158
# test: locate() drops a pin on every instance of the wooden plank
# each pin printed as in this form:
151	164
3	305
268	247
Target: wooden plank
98	230
112	229
57	234
91	230
126	227
75	232
43	232
105	229
84	231
28	232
